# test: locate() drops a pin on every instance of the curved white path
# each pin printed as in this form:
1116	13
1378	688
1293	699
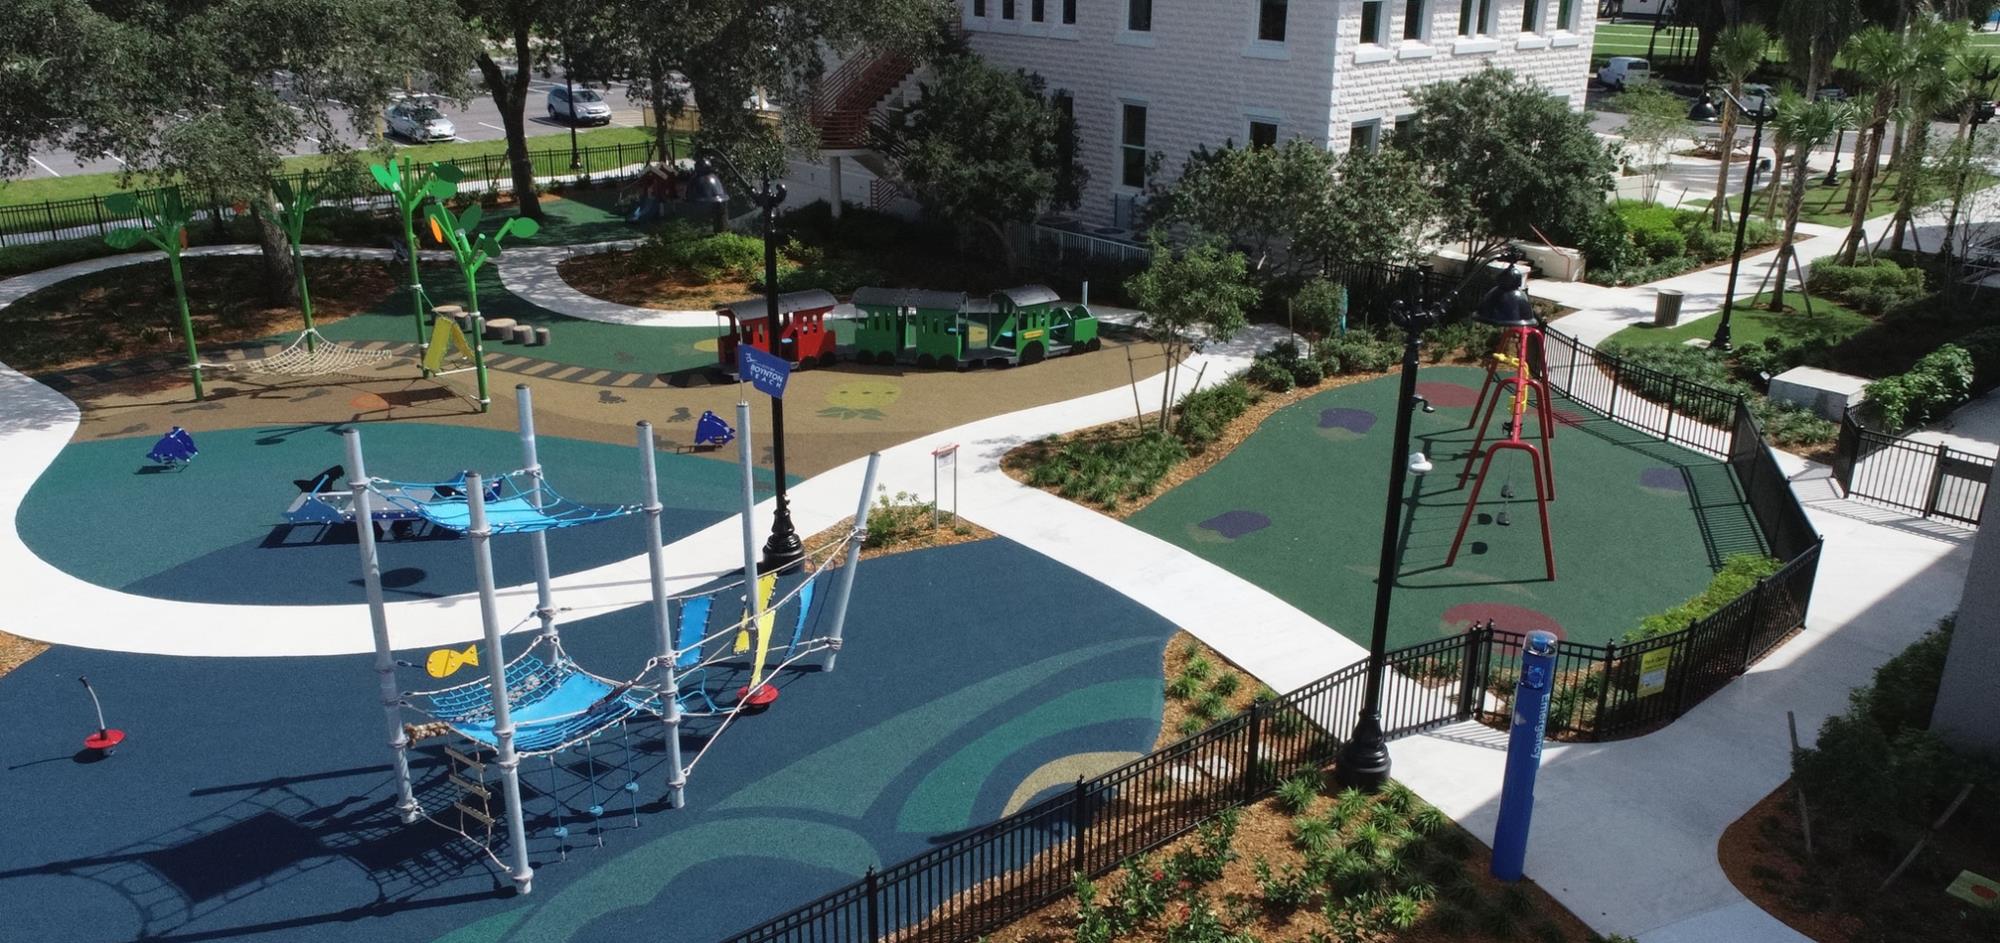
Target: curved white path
531	273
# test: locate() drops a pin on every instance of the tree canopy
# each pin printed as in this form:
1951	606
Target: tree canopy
1506	159
982	147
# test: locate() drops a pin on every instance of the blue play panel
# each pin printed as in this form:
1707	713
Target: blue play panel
252	798
213	531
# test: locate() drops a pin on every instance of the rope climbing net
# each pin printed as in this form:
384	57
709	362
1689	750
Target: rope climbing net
311	354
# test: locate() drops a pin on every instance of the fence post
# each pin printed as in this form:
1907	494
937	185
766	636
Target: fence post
1617	371
1604	690
97	210
1673	406
1468	673
1682	665
49	210
1937	480
874	915
1079	824
1252	772
1756	615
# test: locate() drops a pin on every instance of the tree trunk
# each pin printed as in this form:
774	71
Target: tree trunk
1793	203
1007	254
1719	206
663	104
281	279
1906	184
511	97
1777	176
1172	353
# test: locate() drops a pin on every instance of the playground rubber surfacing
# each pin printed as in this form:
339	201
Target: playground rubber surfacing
252	800
1638	525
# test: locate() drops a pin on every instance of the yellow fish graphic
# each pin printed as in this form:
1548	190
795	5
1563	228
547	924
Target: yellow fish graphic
445	661
765	584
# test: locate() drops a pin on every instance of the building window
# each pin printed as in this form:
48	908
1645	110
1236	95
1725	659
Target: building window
1365	135
1271	20
1263	134
1531	16
1475	17
1069	12
1404	123
1416	19
1566	15
1374	27
1132	147
1037	10
978	7
1139	15
1006	9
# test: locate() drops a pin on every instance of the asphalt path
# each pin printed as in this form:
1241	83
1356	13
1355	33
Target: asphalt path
477	120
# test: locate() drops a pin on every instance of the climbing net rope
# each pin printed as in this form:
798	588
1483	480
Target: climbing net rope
311	354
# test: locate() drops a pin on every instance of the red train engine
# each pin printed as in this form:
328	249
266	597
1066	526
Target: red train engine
806	340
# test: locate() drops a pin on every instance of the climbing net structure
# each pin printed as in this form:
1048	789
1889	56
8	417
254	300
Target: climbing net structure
311	354
544	703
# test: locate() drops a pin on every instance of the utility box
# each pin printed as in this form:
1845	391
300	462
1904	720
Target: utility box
1826	393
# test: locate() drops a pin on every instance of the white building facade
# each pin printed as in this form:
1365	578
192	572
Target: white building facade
1166	76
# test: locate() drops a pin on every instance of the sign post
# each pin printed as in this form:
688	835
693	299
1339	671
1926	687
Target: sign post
942	458
1524	755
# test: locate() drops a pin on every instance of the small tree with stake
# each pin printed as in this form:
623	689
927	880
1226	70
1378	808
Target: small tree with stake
293	205
410	187
1201	293
166	228
470	248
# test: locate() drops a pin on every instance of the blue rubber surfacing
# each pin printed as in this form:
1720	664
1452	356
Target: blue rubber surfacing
252	799
212	531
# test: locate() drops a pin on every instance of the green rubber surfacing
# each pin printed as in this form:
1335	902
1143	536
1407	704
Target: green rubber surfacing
1297	510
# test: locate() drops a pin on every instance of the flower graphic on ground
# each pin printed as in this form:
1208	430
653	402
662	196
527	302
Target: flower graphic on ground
861	399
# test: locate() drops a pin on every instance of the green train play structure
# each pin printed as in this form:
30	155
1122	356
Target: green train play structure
1022	325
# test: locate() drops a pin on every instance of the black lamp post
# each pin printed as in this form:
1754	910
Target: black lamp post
784	546
1704	110
1832	178
1364	759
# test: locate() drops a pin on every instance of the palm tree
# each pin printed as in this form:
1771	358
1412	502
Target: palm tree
1935	47
1738	52
1884	60
1806	124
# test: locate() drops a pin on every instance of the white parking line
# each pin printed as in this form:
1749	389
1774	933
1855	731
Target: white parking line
493	126
51	170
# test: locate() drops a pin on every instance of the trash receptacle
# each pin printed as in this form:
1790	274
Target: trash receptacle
1667	308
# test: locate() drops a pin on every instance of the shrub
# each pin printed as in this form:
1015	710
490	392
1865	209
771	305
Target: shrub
1298	792
1739	574
1204	414
1141	894
681	247
1227	684
1793	427
1313	835
1307	373
1198	667
1459	339
896	518
1660	243
1936	385
1358	353
1983	346
1270	375
1106	471
1093	924
1288	889
1873	286
1183	686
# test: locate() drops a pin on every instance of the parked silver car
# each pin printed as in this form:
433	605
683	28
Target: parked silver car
579	106
418	120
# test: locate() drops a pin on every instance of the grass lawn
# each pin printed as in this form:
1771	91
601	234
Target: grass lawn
16	192
1750	323
1823	205
1631	39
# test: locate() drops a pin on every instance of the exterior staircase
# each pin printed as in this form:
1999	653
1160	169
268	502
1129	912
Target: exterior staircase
845	106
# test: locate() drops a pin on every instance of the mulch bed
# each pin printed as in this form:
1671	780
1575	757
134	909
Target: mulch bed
129	312
15	651
619	277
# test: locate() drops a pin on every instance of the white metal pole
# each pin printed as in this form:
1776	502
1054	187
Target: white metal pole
753	608
663	621
545	608
378	619
845	585
496	675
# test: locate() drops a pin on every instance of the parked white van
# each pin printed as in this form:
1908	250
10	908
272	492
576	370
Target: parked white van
1623	70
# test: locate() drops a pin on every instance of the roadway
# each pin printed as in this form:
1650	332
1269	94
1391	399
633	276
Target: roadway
477	120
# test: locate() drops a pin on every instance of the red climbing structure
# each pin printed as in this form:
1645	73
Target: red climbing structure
1512	376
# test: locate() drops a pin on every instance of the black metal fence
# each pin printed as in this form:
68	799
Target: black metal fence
1931	480
89	217
992	876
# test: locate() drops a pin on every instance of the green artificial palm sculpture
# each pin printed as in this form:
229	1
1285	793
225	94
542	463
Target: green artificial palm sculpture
164	224
470	248
292	208
411	187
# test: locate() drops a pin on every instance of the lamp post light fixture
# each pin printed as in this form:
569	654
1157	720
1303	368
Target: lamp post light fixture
706	189
1364	759
1705	110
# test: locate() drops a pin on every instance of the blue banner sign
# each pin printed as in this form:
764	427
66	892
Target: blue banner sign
767	372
